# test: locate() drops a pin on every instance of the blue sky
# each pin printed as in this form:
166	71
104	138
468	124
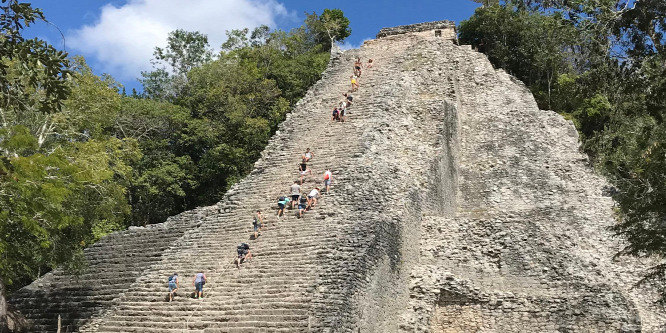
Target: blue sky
117	36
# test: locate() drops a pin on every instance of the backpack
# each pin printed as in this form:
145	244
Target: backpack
172	278
280	199
327	176
242	248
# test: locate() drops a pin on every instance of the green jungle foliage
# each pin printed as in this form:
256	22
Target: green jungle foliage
79	160
602	64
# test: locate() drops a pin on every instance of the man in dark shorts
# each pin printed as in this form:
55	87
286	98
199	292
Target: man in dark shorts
302	204
244	253
199	281
282	203
303	169
295	193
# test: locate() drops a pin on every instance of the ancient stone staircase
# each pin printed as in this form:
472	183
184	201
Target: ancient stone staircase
456	206
271	292
113	262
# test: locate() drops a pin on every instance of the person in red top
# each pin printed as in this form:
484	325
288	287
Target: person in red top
328	178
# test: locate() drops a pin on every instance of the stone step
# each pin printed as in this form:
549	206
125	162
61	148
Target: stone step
185	303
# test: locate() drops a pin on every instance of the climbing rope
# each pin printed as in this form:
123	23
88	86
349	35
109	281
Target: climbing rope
210	280
224	267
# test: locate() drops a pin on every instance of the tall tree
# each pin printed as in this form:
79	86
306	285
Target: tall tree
487	2
533	46
185	50
329	27
27	67
32	72
643	27
165	174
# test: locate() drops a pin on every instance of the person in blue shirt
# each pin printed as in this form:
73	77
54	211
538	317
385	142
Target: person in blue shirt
173	285
282	202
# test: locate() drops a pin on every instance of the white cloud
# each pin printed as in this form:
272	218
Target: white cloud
123	39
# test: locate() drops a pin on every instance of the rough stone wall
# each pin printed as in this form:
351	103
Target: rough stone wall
447	30
527	247
457	206
405	134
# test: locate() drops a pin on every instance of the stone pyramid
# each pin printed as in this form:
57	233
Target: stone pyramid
456	206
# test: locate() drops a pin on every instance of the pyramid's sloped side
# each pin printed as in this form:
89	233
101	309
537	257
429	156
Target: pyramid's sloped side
456	206
112	265
528	246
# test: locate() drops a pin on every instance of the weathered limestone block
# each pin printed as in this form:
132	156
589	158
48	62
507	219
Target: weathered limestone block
443	29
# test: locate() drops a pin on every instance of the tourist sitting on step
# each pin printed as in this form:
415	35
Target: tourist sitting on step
313	196
336	115
198	282
303	170
308	155
257	223
295	193
328	178
282	202
244	253
370	61
173	285
302	205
